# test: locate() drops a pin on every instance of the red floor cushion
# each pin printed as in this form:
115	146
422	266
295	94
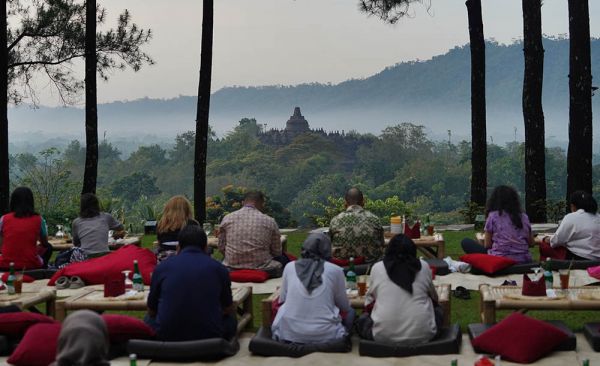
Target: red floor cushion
38	346
248	275
26	278
95	271
122	328
519	338
16	324
346	262
489	264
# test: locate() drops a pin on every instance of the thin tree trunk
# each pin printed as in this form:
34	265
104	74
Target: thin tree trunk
91	107
533	113
478	122
579	155
4	164
202	112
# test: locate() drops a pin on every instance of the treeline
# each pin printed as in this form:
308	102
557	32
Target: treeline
430	176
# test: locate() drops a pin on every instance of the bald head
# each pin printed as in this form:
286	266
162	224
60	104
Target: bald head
354	197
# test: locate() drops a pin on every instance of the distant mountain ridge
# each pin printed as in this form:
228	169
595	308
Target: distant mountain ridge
434	92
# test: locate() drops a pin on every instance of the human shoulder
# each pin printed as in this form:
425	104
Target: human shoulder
330	267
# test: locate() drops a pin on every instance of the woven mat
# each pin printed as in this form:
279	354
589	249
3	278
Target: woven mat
125	297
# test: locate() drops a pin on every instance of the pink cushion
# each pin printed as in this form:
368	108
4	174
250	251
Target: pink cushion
489	264
96	270
519	338
248	275
122	328
38	346
594	272
16	324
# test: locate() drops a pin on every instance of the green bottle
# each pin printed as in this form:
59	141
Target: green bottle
454	362
133	359
351	276
586	362
138	282
10	282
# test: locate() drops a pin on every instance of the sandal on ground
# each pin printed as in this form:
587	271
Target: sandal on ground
461	293
62	283
76	282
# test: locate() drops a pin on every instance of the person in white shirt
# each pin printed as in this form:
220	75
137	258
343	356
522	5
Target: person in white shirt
313	293
579	231
402	296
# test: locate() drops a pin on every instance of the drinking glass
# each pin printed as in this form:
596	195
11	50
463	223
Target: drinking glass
207	226
564	278
128	281
59	233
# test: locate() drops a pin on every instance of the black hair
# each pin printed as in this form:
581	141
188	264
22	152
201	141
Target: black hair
354	196
21	202
89	206
585	201
254	196
505	199
192	235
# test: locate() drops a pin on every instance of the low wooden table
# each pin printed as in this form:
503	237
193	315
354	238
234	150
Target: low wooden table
213	242
432	246
60	245
494	298
358	302
537	238
94	300
29	298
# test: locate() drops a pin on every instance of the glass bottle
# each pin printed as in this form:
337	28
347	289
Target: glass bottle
138	282
351	276
133	359
548	277
10	282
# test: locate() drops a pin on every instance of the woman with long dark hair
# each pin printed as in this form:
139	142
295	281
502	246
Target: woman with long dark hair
402	296
507	228
20	231
90	229
579	231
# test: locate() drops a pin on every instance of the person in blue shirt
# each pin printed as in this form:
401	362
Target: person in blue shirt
190	294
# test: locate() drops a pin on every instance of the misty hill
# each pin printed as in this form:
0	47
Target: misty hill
434	92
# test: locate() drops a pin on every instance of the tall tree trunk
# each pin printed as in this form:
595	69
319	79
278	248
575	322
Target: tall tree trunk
4	174
579	155
478	123
91	104
202	112
533	114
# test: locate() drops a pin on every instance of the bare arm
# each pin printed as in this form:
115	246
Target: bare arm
487	242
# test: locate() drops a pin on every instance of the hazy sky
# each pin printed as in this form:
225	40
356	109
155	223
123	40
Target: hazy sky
260	42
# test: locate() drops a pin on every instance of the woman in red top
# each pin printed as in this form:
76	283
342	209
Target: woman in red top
20	231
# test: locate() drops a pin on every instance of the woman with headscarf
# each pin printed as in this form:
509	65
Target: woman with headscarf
313	297
83	340
402	296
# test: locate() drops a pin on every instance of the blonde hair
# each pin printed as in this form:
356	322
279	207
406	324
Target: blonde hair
177	212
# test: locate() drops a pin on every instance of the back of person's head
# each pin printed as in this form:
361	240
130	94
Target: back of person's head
89	206
354	197
21	202
505	199
83	340
176	214
254	197
401	245
192	236
584	201
401	262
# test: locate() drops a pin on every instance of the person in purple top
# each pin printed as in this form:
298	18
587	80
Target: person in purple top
507	228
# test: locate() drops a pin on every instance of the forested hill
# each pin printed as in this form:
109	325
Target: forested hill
435	93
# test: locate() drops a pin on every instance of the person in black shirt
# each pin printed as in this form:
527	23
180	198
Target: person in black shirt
190	295
177	213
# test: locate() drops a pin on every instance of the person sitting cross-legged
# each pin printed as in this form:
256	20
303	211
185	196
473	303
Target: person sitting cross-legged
402	297
190	294
356	232
249	239
313	293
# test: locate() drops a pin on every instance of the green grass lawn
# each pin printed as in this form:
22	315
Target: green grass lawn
463	311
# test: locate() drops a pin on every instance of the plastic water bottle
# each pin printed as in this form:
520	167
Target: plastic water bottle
548	277
351	276
10	281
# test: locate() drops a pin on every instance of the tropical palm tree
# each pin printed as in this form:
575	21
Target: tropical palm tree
478	112
533	113
202	112
91	107
579	155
